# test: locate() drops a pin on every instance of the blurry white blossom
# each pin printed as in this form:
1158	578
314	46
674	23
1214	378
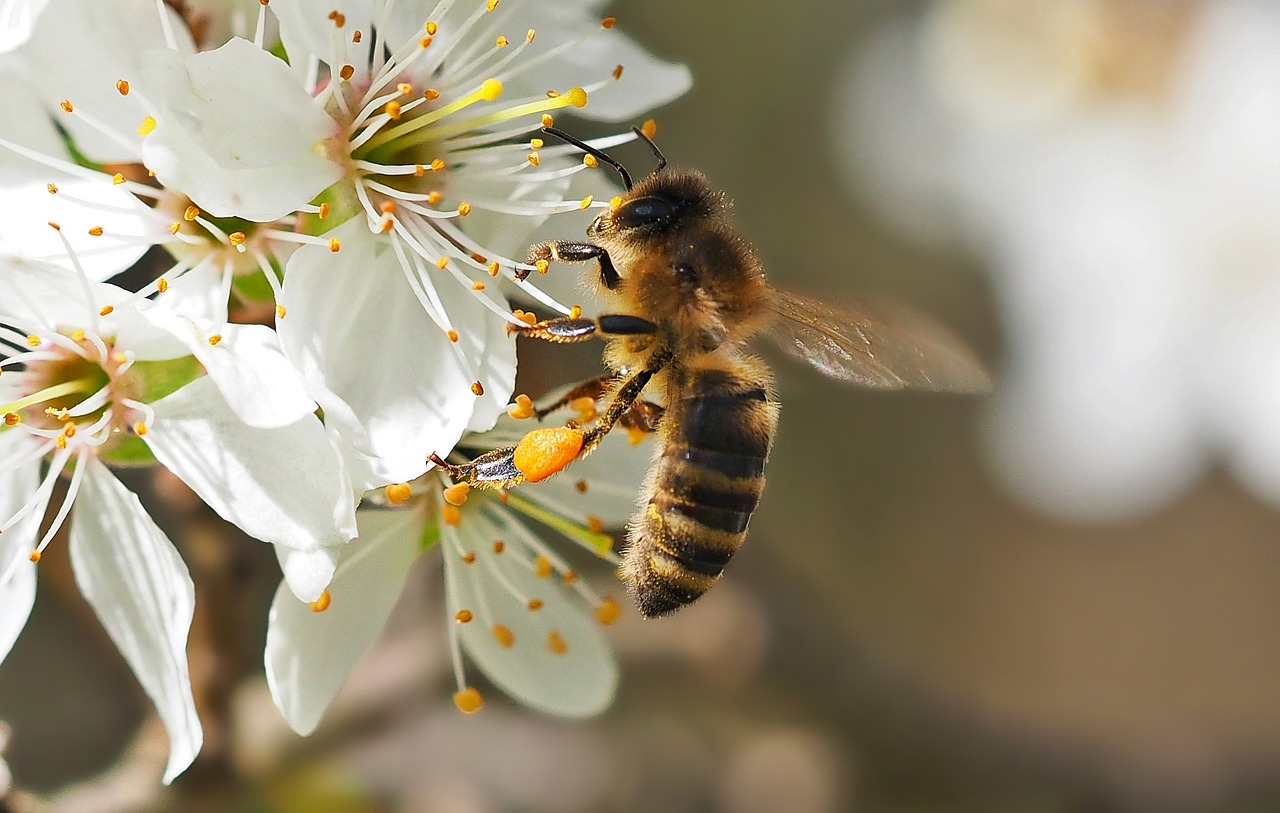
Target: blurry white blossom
514	605
1116	166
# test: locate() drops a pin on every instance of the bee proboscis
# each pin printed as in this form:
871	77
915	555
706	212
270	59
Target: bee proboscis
687	293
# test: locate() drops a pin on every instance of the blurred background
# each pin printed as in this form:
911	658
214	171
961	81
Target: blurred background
1055	599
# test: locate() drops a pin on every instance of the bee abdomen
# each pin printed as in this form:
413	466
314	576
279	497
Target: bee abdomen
706	486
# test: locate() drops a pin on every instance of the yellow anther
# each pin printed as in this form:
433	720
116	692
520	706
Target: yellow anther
322	603
280	311
324	211
33	340
555	642
530	34
437	165
147	126
534	605
52	188
547	120
543	266
586	202
553	94
590	160
594	523
356	36
542	567
392	109
34	557
405	88
607	611
347	71
464	209
468	700
431	94
450	515
335	245
118	178
490	89
456	494
536	143
583	404
237	238
534	160
499	546
615	201
494	268
635	435
469	557
398	493
214	339
649	128
578	97
95	231
434	197
491	4
162	284
387	226
122	85
502	42
569	577
477	286
106	310
522	408
191	213
442	263
140	429
608	22
617	71
477	389
12	419
388	207
339	19
69	430
575	312
77	336
425	42
452	334
463	617
504	635
61	442
66	106
581	486
431	27
54	226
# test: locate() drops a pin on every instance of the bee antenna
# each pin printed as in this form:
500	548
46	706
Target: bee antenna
662	160
590	150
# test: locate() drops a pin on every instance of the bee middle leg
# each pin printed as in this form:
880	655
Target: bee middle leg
566	329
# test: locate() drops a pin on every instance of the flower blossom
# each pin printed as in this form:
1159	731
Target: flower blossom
1116	167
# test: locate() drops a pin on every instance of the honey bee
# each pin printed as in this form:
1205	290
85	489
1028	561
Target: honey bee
687	293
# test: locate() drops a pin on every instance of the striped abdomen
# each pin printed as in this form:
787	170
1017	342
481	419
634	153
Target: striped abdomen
718	428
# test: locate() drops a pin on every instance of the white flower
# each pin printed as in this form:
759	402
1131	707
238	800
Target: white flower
1124	186
91	373
514	606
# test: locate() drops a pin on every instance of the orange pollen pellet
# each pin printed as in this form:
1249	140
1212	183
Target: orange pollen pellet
324	211
617	72
106	310
649	128
608	22
499	546
542	567
140	429
162	285
477	286
450	514
534	160
432	28
547	120
608	611
468	700
405	88
555	642
237	238
504	635
453	335
534	605
347	71
469	557
66	106
322	603
594	523
493	269
335	245
214	339
191	213
118	178
502	42
52	188
477	389
590	160
398	493
581	486
388	207
464	209
544	452
392	109
575	312
95	231
569	577
431	94
463	617
456	494
122	85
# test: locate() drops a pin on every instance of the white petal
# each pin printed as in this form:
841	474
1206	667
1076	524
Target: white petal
308	572
248	367
284	486
578	683
237	133
371	356
17	485
306	30
135	581
17	19
80	50
309	654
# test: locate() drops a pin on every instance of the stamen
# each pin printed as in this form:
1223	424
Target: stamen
321	603
489	90
398	493
556	643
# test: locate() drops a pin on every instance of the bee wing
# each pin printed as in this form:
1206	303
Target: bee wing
851	344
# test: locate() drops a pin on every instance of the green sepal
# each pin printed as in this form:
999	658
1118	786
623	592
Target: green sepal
160	378
130	451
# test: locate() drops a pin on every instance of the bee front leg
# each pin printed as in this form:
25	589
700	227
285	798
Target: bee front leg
567	251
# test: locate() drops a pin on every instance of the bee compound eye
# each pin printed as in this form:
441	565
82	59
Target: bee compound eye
642	212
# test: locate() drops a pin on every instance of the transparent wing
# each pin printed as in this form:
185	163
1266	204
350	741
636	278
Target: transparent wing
848	343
